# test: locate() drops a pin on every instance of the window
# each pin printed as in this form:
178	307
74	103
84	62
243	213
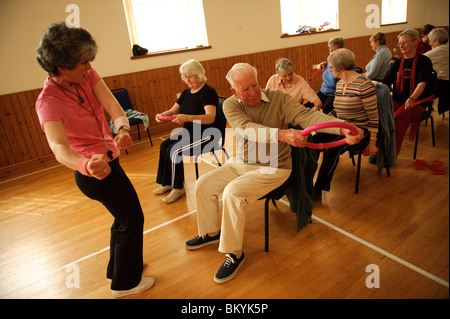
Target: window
169	25
314	16
393	11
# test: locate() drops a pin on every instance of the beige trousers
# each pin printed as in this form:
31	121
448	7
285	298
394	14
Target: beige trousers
240	184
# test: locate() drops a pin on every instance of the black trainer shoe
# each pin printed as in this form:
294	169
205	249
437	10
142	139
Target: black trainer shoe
200	241
229	268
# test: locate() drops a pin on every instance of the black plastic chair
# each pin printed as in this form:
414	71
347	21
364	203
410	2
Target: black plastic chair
220	122
441	93
123	98
428	114
298	188
386	153
271	197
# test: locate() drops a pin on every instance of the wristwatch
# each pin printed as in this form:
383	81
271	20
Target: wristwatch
124	127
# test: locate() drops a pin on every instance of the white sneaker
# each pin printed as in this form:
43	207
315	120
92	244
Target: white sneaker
146	283
174	195
162	190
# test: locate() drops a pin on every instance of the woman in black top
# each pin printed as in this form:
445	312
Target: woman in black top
411	79
195	109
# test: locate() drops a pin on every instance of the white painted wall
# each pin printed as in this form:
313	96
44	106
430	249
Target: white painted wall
234	27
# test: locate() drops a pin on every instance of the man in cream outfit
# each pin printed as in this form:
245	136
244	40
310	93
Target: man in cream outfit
262	115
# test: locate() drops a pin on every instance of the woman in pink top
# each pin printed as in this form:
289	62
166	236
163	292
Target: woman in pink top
286	80
71	111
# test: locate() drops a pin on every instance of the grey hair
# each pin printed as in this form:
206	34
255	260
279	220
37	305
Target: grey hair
64	47
239	69
439	34
284	64
379	37
336	41
342	59
193	67
413	34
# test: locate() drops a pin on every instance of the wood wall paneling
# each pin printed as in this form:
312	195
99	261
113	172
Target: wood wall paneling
22	140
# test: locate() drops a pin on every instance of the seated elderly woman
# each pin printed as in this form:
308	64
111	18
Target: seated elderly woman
411	80
438	39
286	80
195	109
377	67
356	103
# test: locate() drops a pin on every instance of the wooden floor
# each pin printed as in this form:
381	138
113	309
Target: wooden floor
52	235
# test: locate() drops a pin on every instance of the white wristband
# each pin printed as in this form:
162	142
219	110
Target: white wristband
121	121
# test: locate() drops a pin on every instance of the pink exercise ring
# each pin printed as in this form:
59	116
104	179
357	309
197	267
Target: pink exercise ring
166	118
319	126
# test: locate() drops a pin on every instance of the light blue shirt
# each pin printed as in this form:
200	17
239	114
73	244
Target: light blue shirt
379	65
329	82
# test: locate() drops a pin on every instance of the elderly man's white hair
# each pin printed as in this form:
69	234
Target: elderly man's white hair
240	69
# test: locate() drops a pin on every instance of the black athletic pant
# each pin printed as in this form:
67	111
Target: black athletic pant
170	167
331	157
327	102
118	195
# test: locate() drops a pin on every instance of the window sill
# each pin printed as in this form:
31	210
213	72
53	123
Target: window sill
391	24
307	33
153	54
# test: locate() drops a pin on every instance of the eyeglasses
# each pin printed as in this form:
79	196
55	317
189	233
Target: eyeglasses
403	43
187	77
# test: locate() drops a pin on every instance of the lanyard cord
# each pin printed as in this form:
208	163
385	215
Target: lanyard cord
80	98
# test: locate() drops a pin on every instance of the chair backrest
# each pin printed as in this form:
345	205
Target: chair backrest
384	103
386	127
220	121
123	98
433	81
429	105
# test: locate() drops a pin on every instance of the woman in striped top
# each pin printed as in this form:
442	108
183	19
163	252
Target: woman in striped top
356	102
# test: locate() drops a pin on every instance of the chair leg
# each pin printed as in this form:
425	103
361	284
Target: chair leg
139	133
149	138
273	201
383	150
388	172
266	222
217	159
226	153
415	145
353	159
432	130
358	170
196	170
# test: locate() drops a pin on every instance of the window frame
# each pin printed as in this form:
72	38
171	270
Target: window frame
313	32
133	36
393	23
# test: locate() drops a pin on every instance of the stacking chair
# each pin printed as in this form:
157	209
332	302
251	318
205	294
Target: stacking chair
441	93
134	117
272	197
298	188
386	155
428	114
220	122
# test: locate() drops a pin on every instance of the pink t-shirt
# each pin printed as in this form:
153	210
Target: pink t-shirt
299	89
85	123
